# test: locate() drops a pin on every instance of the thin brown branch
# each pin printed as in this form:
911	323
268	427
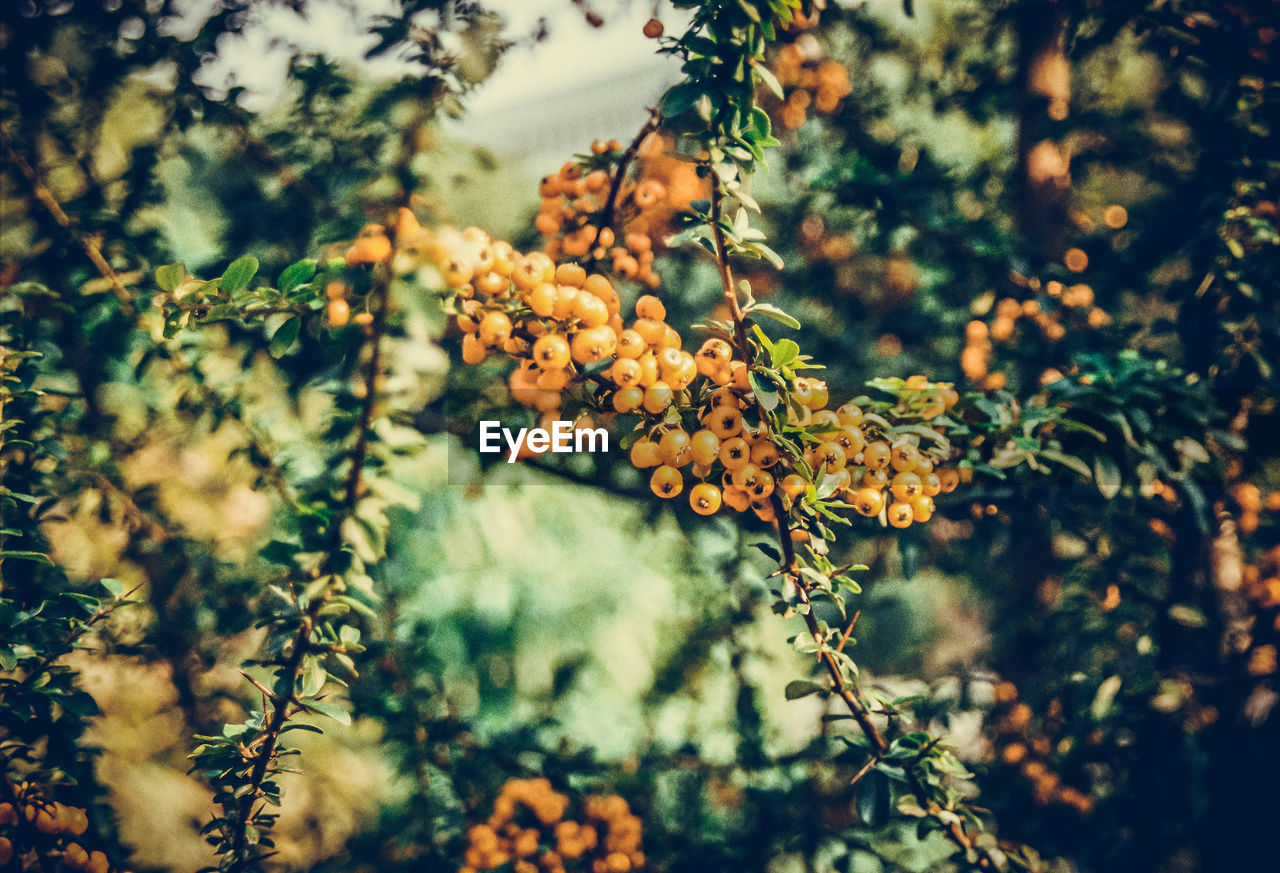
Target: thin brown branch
790	566
69	643
290	670
609	212
91	244
274	474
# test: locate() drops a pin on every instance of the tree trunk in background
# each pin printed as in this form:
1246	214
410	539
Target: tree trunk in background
1044	91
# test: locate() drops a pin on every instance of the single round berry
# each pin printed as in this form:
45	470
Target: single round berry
675	448
666	481
900	514
705	447
495	328
868	501
704	498
645	453
735	453
551	352
877	455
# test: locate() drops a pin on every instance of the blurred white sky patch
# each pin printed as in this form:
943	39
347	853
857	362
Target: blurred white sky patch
550	97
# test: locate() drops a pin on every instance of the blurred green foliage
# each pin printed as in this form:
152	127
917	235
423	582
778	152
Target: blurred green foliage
1096	611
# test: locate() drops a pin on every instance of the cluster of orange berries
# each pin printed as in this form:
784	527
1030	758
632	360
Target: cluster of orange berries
1075	309
55	820
1030	751
808	81
576	196
871	473
1251	503
564	328
1261	582
529	832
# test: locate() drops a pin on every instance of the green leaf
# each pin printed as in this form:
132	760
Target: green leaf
239	274
1067	461
38	557
798	688
680	99
296	274
285	336
170	276
332	710
1106	473
770	80
765	394
775	313
783	352
873	799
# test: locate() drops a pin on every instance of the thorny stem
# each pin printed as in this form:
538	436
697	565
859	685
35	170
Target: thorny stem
624	164
281	706
91	244
790	566
103	612
262	455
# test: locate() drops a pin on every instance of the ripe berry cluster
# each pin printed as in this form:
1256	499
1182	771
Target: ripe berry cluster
55	820
529	832
576	213
1074	310
808	81
564	328
1030	750
1260	581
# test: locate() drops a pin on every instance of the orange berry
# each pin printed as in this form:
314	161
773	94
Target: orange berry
625	373
653	28
793	485
645	453
737	498
658	397
338	312
371	247
950	479
570	274
666	481
651	330
473	350
591	310
828	457
724	422
906	486
628	399
901	515
747	476
704	498
904	457
649	306
705	446
495	328
735	453
878	479
631	344
675	448
764	454
551	352
868	501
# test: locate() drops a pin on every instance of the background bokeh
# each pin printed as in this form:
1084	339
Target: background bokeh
1091	182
